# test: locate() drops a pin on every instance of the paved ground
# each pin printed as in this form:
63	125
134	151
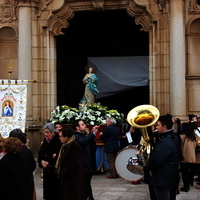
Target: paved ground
119	189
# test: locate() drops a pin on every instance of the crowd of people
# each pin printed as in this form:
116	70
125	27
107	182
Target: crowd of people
66	159
17	165
175	154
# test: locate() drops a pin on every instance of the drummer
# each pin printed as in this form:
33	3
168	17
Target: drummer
111	136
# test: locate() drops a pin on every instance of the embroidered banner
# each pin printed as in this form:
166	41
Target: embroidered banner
13	100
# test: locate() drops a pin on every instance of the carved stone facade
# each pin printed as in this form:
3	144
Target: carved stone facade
8	12
29	27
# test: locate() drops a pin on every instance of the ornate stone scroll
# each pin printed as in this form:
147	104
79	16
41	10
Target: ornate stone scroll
194	7
142	16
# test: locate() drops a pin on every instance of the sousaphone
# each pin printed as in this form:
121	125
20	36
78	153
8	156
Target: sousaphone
141	117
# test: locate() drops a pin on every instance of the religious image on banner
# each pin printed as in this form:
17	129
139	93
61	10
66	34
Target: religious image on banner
13	100
7	109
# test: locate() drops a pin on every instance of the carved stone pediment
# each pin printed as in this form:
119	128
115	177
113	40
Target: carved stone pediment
194	7
8	11
55	16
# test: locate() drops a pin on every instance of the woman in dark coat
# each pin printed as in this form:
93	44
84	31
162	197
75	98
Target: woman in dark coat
27	155
47	157
69	167
13	172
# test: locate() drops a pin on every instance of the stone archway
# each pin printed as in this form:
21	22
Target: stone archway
55	15
107	34
66	13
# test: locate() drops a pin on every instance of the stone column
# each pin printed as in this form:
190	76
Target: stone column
24	50
177	60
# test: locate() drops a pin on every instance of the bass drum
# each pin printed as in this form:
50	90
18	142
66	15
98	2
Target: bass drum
121	162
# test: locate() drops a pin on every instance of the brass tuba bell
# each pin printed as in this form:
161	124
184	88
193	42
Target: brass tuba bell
141	117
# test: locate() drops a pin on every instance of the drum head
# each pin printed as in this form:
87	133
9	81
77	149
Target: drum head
121	162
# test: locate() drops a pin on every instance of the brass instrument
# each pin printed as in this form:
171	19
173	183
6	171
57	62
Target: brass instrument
141	117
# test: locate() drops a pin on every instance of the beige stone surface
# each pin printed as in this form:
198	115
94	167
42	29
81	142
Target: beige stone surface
37	56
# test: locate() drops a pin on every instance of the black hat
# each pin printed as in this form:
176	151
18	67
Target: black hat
191	116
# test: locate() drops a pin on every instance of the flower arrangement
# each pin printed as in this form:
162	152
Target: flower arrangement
92	114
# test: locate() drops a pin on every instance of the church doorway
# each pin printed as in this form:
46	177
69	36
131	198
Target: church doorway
99	34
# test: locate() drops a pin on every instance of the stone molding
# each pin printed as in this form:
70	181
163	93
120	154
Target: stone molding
194	8
56	19
142	16
59	19
191	77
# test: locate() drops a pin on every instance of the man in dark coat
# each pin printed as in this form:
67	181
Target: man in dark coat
47	157
84	140
161	170
111	136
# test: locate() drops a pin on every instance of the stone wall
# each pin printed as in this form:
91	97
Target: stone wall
27	38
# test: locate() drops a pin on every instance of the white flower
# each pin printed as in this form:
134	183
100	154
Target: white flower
99	119
108	115
65	111
58	108
92	123
98	113
104	121
92	114
92	117
53	113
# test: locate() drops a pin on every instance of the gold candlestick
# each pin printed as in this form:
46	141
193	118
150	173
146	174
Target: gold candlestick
10	67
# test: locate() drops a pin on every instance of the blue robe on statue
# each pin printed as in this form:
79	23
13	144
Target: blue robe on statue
91	90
